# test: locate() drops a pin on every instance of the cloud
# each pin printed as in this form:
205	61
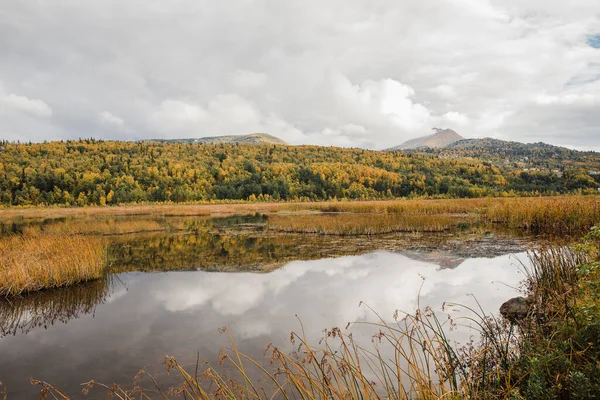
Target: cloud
569	99
305	71
26	105
248	79
178	117
111	119
456	119
386	102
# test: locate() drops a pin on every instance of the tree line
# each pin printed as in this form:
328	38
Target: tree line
93	172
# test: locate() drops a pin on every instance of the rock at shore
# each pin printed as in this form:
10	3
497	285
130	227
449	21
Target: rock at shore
515	309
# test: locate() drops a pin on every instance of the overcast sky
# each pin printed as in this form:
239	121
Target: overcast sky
332	72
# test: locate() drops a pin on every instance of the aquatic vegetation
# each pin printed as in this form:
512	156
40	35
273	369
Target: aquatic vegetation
48	261
402	206
361	224
566	215
546	215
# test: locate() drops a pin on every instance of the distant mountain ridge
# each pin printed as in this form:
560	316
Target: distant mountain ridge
497	144
441	138
253	138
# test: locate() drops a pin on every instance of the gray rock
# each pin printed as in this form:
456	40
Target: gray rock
515	309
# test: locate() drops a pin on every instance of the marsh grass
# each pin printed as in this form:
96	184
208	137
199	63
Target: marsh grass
558	216
361	224
551	216
410	207
166	210
48	261
566	215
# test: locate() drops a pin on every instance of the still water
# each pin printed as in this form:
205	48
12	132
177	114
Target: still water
108	330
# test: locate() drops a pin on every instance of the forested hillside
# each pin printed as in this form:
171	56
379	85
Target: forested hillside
524	155
91	172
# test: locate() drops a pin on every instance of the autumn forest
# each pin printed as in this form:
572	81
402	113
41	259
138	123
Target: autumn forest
93	172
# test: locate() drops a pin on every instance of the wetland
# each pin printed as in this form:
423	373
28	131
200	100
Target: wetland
172	281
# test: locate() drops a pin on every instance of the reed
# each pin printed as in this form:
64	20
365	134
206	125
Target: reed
48	261
360	224
167	210
552	216
560	215
414	207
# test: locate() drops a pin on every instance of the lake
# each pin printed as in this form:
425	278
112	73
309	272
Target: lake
171	292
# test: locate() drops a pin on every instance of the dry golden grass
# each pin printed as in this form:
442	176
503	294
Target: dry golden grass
415	207
89	226
40	262
168	210
495	208
553	215
546	215
566	215
360	224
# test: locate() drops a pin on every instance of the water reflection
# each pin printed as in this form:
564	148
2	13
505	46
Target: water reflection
264	251
124	224
179	313
217	252
21	314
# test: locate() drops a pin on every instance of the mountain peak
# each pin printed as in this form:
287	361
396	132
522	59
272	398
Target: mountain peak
440	138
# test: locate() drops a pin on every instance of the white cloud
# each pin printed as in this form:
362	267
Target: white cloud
444	90
34	107
111	119
569	99
456	119
248	79
176	117
383	106
232	109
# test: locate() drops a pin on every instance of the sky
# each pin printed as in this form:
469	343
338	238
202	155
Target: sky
359	73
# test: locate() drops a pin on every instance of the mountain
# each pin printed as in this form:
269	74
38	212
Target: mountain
253	138
441	138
